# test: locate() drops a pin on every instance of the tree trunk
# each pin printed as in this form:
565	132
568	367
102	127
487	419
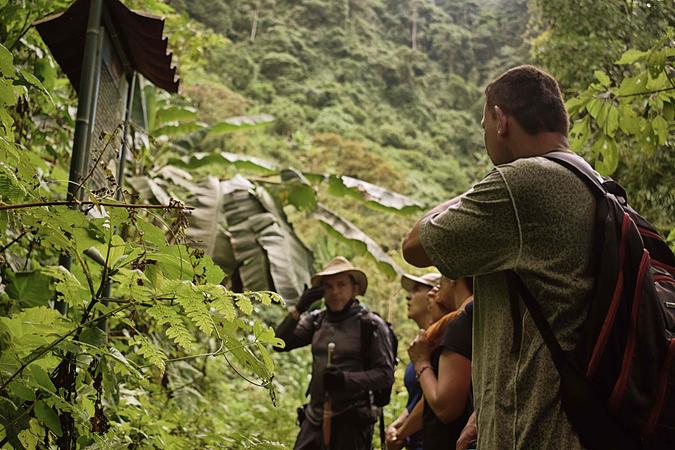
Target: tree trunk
254	25
413	28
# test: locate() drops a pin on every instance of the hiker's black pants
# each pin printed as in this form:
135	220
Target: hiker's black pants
346	434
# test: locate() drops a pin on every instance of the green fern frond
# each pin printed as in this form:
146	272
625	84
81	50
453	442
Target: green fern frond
151	352
177	330
220	299
243	303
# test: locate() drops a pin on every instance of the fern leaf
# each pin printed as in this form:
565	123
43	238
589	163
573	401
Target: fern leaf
177	330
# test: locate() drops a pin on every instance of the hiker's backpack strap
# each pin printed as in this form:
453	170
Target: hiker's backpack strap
579	166
317	315
518	289
367	330
589	417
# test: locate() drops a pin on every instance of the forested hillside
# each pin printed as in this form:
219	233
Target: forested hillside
302	129
398	82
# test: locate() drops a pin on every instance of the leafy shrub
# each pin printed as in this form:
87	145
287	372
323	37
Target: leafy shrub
233	63
281	65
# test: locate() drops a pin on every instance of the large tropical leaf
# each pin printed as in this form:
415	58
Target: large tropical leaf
157	188
243	229
344	230
150	189
240	123
208	225
374	196
295	190
240	162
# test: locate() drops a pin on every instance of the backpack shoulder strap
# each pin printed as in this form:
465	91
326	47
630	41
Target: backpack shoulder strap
517	287
582	169
367	330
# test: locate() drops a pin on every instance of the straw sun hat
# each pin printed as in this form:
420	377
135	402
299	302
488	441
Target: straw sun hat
340	264
431	279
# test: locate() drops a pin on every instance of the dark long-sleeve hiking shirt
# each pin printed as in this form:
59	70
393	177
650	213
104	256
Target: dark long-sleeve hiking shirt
319	328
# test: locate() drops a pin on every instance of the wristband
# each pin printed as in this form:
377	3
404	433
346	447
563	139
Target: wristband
421	371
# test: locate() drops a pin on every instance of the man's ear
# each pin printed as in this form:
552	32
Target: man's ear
502	121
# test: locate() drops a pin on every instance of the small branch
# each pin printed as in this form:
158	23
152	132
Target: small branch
14	241
87	274
646	92
24	30
98	159
76	203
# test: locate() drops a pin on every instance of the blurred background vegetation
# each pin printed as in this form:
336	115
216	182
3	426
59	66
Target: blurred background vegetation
385	91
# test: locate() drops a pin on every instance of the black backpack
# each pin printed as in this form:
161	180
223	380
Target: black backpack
381	397
618	384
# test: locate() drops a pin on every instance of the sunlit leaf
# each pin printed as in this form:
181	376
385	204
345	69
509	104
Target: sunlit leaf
178	128
6	62
29	288
602	78
609	156
42	378
611	123
629	122
631	56
372	195
175	114
240	162
660	127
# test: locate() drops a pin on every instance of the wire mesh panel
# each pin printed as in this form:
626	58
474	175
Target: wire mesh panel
106	137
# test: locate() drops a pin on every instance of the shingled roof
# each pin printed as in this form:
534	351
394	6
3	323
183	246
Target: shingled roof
139	34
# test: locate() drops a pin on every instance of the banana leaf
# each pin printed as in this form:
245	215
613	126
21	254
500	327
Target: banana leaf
245	232
240	123
152	190
359	241
374	196
241	162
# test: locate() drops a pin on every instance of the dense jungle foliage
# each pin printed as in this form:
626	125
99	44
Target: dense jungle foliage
303	129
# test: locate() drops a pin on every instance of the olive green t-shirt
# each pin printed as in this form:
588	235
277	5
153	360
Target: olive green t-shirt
537	218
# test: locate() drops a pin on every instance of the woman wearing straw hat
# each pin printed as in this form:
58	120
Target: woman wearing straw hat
350	378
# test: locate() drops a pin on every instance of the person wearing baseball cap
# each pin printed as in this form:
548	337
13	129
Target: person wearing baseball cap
345	367
405	431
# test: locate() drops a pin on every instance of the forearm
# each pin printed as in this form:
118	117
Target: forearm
429	383
412	249
400	419
413	423
448	392
285	331
376	378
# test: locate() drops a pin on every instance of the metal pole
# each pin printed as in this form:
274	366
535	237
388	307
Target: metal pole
84	107
87	82
125	133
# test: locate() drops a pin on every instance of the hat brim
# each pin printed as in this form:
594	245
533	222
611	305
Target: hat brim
408	282
359	277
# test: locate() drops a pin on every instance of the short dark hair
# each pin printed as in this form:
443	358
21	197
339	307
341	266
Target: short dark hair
532	97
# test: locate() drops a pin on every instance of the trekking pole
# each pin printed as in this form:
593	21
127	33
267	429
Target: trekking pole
327	403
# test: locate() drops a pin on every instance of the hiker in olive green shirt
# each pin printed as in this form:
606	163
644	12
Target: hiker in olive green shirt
532	216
